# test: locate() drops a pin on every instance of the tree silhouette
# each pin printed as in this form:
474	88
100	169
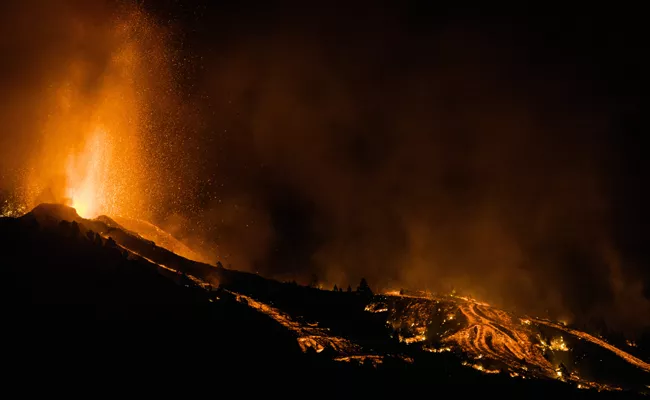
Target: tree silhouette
98	240
336	288
74	229
185	280
110	243
364	288
64	228
349	289
314	281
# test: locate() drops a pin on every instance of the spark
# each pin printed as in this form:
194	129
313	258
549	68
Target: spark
10	210
557	344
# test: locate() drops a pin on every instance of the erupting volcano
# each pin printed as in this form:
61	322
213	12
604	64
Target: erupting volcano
104	140
223	166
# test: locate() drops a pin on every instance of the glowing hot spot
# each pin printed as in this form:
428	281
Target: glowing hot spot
87	176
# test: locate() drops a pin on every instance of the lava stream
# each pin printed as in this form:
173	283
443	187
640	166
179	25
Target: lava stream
582	335
487	334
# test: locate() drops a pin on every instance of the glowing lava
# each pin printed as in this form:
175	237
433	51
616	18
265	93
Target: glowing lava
101	117
87	176
494	340
309	337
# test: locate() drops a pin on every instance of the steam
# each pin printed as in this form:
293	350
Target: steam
434	163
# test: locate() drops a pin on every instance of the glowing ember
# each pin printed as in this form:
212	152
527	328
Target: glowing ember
10	210
415	339
481	368
557	344
374	360
441	350
376	307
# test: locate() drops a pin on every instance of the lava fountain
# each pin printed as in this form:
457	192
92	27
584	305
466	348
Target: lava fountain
87	172
95	148
101	123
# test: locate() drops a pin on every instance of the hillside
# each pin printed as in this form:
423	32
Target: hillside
99	292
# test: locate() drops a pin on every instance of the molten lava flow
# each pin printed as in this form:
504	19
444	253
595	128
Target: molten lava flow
493	333
494	339
163	239
309	337
585	336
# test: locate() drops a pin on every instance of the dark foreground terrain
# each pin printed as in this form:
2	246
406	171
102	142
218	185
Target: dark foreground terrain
85	311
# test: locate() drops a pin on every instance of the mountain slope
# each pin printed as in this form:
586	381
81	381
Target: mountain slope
104	302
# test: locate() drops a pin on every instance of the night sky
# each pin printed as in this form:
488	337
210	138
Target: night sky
417	145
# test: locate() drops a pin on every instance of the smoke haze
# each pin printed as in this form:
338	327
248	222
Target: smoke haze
294	148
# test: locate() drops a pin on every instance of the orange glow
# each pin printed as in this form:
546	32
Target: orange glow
86	176
92	153
309	337
502	341
585	336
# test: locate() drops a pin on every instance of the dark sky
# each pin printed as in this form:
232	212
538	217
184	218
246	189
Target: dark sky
414	144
